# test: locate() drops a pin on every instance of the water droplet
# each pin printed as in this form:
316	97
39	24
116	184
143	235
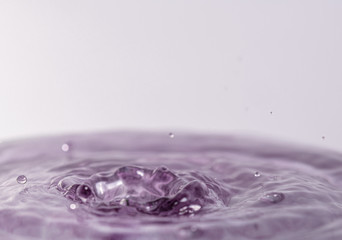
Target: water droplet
257	174
271	112
73	206
273	197
171	135
323	137
22	179
65	147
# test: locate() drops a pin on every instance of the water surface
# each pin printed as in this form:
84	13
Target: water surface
135	185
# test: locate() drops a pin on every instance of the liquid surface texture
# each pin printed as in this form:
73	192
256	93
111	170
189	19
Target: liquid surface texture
135	185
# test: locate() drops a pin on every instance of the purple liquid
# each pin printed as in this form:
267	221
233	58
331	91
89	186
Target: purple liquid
153	186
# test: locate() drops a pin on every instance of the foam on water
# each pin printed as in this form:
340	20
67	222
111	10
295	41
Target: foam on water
144	186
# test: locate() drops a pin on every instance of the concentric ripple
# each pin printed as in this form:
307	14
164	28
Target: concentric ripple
153	186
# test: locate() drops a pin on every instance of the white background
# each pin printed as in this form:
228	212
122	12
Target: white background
208	66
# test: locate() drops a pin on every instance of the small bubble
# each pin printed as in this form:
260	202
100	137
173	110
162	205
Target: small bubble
65	147
323	137
184	199
73	206
22	179
271	112
171	135
273	197
257	174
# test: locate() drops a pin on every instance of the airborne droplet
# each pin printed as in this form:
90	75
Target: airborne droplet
65	147
73	206
257	174
171	135
22	179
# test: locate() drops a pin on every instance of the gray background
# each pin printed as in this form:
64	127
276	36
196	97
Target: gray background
209	66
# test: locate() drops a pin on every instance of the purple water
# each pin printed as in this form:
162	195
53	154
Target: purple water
162	186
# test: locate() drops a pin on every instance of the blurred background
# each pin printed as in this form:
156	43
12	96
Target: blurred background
266	68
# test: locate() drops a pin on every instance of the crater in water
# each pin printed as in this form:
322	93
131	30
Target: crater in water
148	186
130	190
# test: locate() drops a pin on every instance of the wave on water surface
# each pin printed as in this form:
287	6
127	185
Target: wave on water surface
154	186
